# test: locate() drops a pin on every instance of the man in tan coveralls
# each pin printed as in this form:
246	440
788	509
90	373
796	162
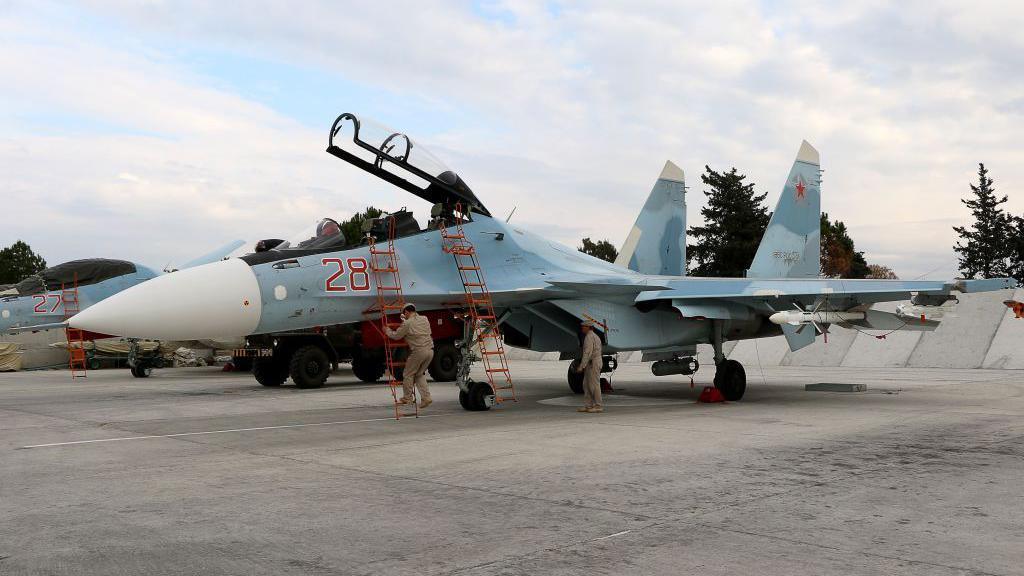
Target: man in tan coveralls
416	331
590	366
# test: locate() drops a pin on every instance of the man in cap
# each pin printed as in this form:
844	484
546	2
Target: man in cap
590	366
416	331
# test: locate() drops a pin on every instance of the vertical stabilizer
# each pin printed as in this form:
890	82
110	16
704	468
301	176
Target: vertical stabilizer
791	245
657	242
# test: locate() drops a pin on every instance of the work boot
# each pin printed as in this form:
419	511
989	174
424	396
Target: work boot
404	400
594	410
583	409
426	402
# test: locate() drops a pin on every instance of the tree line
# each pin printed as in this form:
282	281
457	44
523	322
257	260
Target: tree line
735	218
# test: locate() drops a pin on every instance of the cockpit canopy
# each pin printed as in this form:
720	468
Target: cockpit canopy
393	157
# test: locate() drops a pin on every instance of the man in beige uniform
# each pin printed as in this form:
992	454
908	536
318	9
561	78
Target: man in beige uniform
416	331
590	365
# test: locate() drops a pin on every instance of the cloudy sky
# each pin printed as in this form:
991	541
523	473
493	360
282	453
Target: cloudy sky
155	131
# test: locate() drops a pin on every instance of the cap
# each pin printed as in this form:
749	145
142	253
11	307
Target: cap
409	308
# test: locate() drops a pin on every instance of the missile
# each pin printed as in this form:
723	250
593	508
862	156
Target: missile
798	317
924	313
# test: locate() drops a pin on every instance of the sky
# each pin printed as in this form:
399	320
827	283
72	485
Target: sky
155	131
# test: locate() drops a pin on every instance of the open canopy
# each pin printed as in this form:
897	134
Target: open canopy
392	156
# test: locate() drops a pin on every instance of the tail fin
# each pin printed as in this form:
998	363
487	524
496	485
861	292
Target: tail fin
657	242
791	245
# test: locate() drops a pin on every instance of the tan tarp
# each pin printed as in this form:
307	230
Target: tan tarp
10	356
112	347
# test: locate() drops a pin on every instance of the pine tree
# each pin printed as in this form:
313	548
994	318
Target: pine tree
353	227
602	249
18	262
986	245
1016	269
839	257
735	219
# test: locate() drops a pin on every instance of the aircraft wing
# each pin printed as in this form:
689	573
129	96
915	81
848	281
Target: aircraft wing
757	292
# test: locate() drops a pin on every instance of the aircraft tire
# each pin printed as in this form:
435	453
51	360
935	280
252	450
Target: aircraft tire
731	380
269	372
575	378
444	367
476	399
367	368
310	366
141	371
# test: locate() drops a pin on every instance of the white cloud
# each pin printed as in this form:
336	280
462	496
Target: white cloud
573	111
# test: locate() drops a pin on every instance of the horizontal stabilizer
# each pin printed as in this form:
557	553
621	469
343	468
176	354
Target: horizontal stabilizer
799	336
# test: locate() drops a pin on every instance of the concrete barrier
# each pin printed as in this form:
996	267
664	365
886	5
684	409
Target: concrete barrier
1007	349
962	340
892	351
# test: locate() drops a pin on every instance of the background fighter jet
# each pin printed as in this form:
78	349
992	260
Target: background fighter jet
37	302
541	291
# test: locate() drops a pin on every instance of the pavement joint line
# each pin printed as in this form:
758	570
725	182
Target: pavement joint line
209	432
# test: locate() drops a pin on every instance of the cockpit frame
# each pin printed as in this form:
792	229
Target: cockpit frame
446	188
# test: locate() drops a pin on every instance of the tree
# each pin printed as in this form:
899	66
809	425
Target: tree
985	248
18	261
735	219
1016	269
353	227
602	249
879	272
839	258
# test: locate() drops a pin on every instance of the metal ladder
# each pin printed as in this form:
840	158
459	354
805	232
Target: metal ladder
480	308
75	337
390	301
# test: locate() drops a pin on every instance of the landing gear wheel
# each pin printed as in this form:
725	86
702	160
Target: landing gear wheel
241	363
575	378
478	399
269	372
731	380
94	364
368	368
141	371
445	365
310	367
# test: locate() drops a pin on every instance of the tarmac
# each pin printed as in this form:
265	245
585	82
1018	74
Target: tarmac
196	471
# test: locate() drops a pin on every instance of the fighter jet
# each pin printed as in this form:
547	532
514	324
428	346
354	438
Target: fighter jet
37	302
541	290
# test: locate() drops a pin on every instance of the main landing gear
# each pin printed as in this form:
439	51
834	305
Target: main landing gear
730	377
609	362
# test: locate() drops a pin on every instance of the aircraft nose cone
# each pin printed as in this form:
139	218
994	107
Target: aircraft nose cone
218	300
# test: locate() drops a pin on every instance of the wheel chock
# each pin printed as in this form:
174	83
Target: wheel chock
606	386
710	394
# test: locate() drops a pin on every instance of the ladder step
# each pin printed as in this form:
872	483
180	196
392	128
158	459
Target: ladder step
497	369
493	352
389	287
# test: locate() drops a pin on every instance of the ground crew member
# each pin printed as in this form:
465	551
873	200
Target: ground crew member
416	331
590	366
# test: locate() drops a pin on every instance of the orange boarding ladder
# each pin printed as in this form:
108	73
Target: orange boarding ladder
75	336
390	301
481	311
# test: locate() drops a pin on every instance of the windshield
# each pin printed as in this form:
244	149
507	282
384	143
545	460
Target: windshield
324	234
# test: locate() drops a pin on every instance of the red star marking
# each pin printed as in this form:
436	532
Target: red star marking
800	188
